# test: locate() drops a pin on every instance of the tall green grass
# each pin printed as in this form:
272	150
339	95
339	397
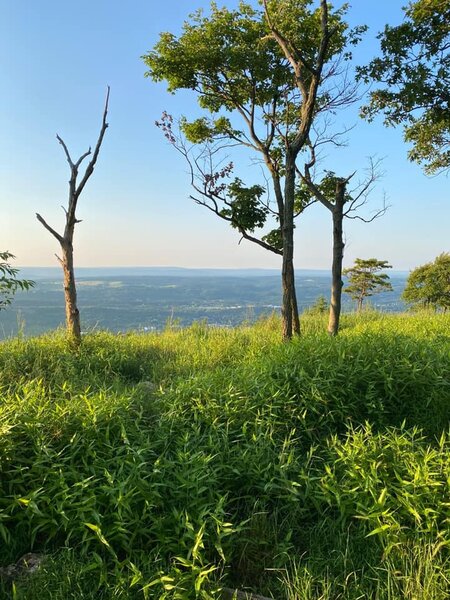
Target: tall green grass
172	465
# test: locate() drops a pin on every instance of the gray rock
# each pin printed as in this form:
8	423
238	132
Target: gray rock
27	565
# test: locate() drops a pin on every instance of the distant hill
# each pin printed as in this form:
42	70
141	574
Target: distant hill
55	272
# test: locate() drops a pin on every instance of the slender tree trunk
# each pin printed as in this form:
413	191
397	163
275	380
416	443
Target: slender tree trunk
286	308
289	310
360	303
336	268
70	295
295	317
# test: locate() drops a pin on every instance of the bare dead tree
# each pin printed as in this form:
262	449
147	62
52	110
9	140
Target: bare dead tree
333	193
66	239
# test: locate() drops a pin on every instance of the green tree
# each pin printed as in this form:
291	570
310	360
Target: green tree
414	67
365	279
263	77
319	307
428	286
9	282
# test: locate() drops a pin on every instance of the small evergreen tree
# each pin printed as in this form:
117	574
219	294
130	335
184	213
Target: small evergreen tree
9	284
428	286
320	307
365	279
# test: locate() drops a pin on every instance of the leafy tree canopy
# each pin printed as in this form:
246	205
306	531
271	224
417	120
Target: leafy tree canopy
415	67
232	61
9	283
244	208
428	286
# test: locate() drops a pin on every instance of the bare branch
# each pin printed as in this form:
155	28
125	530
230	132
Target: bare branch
66	151
82	157
302	210
307	179
50	229
315	191
215	209
91	165
261	243
378	214
345	180
361	192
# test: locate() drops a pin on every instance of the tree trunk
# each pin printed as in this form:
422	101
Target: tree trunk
295	317
291	323
70	295
336	269
360	303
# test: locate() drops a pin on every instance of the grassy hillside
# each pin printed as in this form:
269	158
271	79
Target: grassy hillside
171	465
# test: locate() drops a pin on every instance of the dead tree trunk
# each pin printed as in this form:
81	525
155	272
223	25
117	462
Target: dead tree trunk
70	295
66	240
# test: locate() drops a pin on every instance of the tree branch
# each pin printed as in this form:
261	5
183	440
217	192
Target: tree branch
66	151
82	157
242	231
292	52
91	165
261	243
50	229
307	179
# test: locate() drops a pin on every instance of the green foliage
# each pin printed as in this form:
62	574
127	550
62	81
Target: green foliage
170	465
221	57
328	187
415	69
205	130
197	131
244	209
274	238
9	283
365	279
233	63
428	286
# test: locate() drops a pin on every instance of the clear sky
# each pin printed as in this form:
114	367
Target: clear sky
56	59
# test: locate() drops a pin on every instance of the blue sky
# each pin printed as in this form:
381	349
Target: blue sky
57	58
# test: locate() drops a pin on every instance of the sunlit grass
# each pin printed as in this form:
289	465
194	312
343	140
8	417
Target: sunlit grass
169	465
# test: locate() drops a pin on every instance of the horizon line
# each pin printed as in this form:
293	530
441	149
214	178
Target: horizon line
175	267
